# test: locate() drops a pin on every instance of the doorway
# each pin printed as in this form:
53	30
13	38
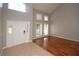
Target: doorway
41	25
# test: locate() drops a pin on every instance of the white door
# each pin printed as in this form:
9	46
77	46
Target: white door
17	32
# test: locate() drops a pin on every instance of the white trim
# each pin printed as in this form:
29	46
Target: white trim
65	38
39	37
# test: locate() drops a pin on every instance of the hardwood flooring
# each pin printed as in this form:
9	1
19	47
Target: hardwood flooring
58	46
25	49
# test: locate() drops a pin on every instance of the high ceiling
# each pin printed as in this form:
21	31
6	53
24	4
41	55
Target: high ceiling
45	7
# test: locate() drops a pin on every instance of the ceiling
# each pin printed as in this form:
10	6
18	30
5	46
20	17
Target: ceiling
45	7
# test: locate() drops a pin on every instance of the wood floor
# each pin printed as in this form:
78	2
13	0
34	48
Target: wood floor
26	49
58	46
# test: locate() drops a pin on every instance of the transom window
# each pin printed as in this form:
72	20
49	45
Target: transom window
45	18
38	16
17	6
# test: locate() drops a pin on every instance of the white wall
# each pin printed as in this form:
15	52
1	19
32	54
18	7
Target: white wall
12	15
17	36
0	27
65	22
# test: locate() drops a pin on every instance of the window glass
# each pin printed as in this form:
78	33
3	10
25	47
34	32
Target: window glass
38	29
45	29
17	6
39	16
1	5
45	18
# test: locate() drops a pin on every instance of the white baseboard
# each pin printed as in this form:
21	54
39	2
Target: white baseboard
16	44
66	38
39	37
